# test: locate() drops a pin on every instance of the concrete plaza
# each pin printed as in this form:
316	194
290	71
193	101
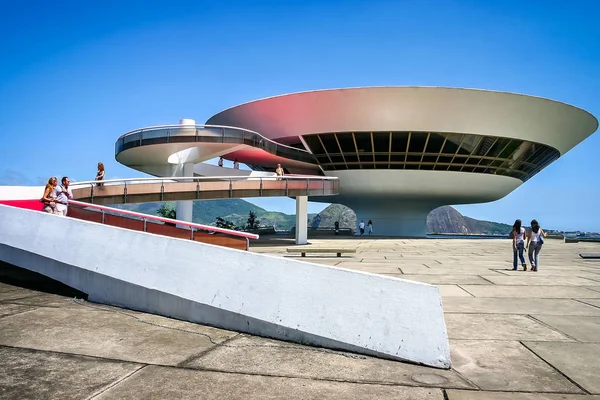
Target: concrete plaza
513	335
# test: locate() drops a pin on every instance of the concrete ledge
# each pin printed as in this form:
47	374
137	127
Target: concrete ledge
258	294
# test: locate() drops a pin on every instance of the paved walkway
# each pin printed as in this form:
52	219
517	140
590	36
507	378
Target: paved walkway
514	335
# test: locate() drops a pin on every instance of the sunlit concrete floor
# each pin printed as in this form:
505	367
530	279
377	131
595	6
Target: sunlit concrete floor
513	335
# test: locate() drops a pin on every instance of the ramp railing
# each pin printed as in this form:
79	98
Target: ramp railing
209	134
160	225
143	190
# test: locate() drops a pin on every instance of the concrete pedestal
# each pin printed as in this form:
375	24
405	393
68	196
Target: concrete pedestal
301	219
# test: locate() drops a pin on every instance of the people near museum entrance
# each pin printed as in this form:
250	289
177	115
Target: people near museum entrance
370	227
49	197
100	174
236	164
63	195
518	237
361	227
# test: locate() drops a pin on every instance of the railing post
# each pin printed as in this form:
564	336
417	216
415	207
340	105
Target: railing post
125	194
323	186
145	225
286	187
162	191
103	216
192	233
230	188
92	194
261	187
307	186
197	190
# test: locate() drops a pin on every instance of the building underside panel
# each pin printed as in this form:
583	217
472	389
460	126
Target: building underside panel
430	151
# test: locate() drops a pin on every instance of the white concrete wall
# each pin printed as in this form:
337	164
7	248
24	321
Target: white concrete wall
21	192
269	296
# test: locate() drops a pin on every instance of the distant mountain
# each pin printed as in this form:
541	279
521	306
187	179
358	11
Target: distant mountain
441	220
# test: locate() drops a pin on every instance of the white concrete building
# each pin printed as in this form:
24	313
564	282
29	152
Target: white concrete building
399	152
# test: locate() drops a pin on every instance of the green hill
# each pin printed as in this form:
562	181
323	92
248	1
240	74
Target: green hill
443	220
234	210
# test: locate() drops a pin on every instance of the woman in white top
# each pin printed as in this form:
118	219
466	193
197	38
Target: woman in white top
518	235
535	239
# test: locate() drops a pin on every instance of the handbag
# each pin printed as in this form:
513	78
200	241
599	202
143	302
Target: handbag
541	237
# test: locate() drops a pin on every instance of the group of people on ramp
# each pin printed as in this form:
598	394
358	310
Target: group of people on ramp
56	196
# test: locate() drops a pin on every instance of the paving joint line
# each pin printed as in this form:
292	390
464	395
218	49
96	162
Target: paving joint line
459	285
32	308
582	301
552	328
485	279
117	382
585	391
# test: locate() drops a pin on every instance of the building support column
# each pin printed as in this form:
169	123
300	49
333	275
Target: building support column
301	219
184	209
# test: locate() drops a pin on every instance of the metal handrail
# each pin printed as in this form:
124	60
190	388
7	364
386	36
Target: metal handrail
257	139
205	178
146	217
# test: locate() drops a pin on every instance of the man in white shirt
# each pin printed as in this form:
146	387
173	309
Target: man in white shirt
361	226
63	195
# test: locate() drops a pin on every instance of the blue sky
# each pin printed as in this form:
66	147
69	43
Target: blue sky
75	75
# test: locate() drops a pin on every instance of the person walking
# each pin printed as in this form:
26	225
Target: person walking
518	237
370	227
49	197
63	195
100	174
535	240
361	227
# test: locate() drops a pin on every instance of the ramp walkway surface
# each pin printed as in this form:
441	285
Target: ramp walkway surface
144	190
231	289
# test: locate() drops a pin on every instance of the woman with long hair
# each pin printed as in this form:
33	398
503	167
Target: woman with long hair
518	236
535	240
100	174
49	197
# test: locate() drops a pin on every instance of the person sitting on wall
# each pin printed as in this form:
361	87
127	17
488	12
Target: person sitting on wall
100	174
49	197
63	195
220	161
279	170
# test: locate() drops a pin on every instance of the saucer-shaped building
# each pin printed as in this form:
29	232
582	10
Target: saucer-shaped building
400	152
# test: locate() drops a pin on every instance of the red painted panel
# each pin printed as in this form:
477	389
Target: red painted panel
27	204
